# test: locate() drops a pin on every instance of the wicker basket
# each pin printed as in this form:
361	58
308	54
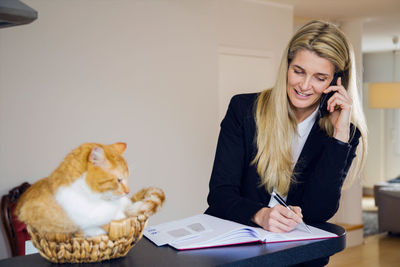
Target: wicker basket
75	248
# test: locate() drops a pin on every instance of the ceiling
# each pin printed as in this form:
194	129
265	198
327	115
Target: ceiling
381	18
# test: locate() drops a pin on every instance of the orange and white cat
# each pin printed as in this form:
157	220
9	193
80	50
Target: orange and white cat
88	190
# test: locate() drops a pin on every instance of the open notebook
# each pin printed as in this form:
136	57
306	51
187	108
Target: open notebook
202	231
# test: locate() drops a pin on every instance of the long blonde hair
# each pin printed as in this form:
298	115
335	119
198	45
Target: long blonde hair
274	116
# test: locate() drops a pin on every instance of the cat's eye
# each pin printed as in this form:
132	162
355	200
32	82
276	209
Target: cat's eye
119	180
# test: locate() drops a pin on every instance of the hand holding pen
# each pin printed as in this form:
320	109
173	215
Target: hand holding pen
279	218
283	203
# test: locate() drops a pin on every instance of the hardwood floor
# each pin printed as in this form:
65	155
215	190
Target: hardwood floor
379	250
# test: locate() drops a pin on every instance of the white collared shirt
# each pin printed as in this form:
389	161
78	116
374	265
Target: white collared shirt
299	139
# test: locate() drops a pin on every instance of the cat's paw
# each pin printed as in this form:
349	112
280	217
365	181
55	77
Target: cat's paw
135	209
147	201
94	231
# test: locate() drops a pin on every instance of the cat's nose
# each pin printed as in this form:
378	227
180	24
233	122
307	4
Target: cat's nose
126	189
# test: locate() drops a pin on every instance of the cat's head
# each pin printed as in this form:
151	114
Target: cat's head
107	171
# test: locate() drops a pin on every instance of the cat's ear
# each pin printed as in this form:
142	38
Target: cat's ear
120	147
97	156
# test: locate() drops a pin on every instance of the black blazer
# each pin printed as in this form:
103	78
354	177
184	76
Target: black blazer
235	193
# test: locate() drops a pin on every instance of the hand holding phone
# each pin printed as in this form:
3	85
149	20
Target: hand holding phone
340	116
323	105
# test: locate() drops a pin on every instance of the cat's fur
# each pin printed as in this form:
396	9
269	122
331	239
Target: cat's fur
88	190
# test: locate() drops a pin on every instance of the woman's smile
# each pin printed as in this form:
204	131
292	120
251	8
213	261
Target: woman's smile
302	95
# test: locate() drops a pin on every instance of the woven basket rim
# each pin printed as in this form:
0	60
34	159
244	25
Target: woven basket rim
75	248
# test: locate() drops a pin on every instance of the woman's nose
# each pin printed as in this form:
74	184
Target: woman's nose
305	83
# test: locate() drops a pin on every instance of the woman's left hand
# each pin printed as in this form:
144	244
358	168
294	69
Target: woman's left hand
339	106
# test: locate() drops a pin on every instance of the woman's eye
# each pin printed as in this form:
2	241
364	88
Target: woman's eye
321	79
298	71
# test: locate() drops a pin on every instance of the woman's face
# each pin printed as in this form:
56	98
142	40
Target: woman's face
308	76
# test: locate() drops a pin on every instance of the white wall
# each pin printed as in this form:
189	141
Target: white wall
383	160
252	35
143	72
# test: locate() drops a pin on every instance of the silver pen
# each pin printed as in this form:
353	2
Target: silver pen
283	203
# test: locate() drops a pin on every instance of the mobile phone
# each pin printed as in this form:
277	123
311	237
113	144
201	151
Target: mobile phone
325	97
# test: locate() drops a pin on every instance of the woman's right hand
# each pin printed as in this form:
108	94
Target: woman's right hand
278	219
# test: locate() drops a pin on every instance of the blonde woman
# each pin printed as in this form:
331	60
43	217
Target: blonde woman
281	140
